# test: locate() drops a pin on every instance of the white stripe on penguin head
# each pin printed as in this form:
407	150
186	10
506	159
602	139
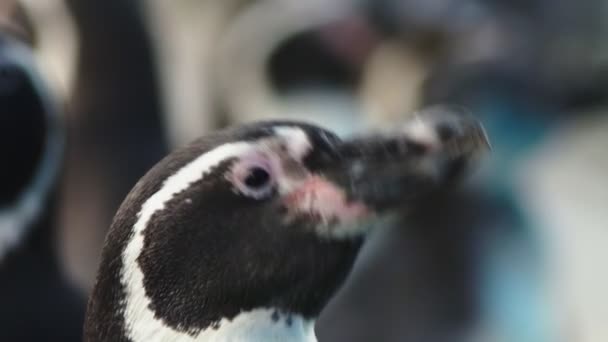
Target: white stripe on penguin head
140	321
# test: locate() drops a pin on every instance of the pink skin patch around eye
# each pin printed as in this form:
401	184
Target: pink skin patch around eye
241	170
321	198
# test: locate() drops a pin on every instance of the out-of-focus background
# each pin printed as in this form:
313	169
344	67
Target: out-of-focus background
93	93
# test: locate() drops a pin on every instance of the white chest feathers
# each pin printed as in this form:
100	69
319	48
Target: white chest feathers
267	325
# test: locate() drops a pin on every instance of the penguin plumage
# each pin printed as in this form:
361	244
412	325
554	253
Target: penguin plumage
245	235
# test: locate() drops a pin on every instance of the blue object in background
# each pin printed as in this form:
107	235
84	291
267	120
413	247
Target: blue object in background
514	306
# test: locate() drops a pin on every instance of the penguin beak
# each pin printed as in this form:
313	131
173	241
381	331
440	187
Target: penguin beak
389	170
397	167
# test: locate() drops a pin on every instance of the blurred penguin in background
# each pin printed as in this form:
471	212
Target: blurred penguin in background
37	302
534	91
116	124
241	60
514	257
104	66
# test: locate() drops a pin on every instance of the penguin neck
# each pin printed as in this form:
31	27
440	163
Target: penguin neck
257	325
262	325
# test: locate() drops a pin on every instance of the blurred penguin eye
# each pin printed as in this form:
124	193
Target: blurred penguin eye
254	178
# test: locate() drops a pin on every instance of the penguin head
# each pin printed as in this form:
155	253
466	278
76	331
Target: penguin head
266	215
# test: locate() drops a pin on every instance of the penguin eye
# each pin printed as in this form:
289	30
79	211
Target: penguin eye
257	177
254	178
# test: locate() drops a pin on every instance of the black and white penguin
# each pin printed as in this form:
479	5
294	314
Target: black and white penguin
246	234
36	301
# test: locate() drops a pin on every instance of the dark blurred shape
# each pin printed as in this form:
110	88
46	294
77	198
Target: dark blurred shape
23	121
329	55
423	275
116	128
37	303
304	61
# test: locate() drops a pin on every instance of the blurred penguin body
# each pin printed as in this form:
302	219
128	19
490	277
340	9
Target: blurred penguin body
37	302
115	128
572	160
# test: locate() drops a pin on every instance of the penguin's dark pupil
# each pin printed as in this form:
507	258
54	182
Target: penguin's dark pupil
257	177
